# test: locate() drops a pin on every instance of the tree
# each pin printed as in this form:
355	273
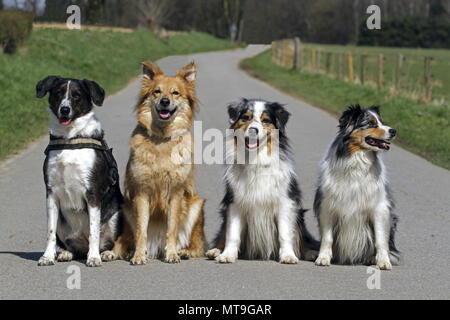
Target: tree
1	4
55	10
152	13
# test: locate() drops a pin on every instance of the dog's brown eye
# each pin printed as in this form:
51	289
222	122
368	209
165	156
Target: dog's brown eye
266	120
157	91
175	93
373	123
245	118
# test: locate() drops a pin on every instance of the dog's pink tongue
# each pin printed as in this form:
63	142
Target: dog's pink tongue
165	115
252	145
66	123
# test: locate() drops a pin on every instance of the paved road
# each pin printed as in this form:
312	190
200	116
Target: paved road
421	190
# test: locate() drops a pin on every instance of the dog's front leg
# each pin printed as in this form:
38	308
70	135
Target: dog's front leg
172	230
48	259
142	211
326	231
287	225
93	258
235	225
381	223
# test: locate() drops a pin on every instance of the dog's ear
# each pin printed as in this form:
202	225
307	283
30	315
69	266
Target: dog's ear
376	109
151	71
235	109
350	116
281	116
96	92
188	73
46	85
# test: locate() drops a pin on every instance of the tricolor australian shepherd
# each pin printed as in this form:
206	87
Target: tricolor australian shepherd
163	212
81	178
262	209
353	202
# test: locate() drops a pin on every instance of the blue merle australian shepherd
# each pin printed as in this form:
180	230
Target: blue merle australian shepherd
262	210
353	202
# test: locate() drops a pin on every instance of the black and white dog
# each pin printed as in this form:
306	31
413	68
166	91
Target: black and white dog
262	210
353	202
83	193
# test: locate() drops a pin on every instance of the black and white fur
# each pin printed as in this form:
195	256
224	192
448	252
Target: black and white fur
353	202
83	218
262	210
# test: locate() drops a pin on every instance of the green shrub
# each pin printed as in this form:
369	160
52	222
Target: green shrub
15	28
408	32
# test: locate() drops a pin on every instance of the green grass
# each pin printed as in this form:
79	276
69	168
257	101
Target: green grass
423	129
110	58
412	79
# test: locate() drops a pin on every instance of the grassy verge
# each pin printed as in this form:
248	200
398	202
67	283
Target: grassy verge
110	58
423	129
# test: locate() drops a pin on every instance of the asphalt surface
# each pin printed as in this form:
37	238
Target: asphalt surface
420	188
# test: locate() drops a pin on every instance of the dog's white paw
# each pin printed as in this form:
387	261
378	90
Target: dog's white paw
323	261
172	258
108	256
383	263
94	262
289	259
46	261
213	254
226	258
65	256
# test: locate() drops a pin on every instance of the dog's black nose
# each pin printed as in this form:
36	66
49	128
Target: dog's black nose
65	111
393	132
165	102
253	131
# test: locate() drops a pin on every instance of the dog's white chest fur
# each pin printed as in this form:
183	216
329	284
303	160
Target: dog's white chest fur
352	191
68	176
259	194
354	185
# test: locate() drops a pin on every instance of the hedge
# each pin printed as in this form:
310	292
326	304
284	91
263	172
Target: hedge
15	28
408	32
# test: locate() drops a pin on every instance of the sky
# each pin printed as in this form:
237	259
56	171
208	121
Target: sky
8	3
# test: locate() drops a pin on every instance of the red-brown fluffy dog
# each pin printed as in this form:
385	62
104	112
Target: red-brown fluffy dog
163	213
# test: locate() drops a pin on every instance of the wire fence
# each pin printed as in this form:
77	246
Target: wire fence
408	74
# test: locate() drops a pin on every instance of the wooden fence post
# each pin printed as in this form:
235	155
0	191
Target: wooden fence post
380	71
297	53
340	66
273	51
284	63
313	58
318	59
398	73
428	86
350	67
328	64
363	69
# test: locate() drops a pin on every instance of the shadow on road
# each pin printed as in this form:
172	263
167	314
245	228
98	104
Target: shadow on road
31	256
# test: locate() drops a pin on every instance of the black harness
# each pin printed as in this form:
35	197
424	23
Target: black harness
57	144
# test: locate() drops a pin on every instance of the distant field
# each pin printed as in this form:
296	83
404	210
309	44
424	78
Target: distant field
413	67
423	129
108	57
